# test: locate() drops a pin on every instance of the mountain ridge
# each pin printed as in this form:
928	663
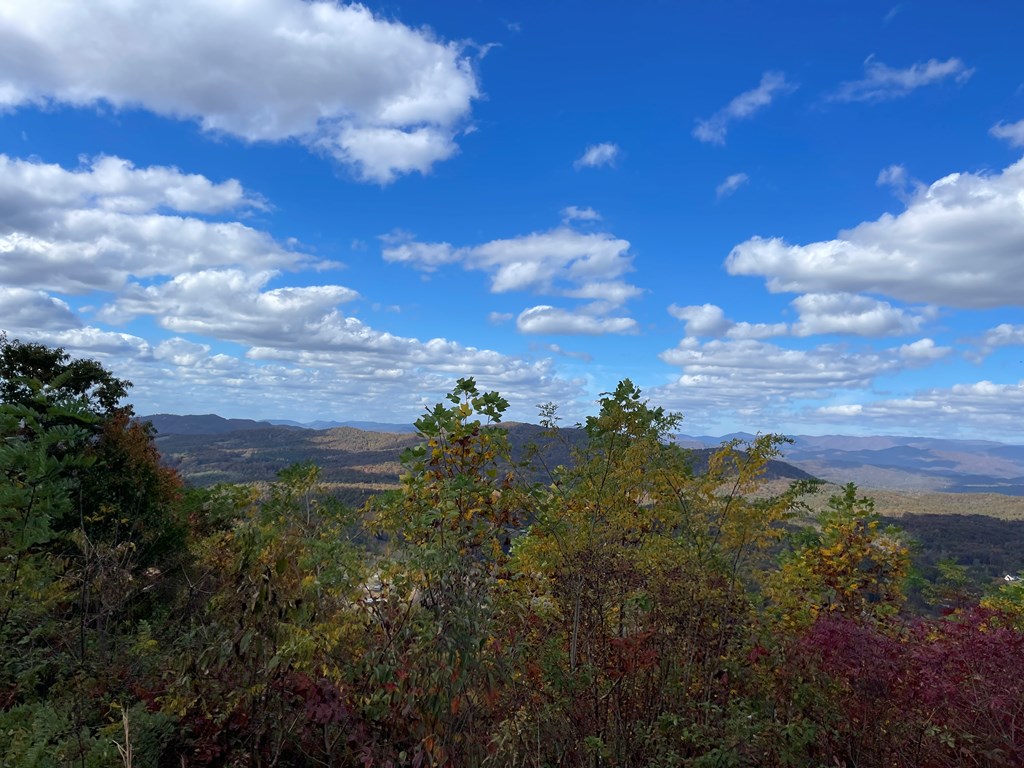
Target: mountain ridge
903	462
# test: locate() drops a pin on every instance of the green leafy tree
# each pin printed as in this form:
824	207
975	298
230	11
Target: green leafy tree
263	664
636	581
26	370
434	680
77	560
847	563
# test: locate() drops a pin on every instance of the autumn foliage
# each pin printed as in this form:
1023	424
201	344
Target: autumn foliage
629	610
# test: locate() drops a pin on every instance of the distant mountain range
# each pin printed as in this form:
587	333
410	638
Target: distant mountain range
210	449
903	463
212	424
368	426
367	452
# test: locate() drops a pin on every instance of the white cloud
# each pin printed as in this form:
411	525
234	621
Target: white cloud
36	316
348	369
731	184
899	181
755	366
545	319
609	293
94	227
1011	132
702	319
301	332
545	262
882	82
746	330
710	320
761	383
110	227
573	213
427	257
958	243
181	352
1003	335
893	176
923	350
378	95
24	309
561	262
333	364
846	313
229	304
92	342
597	155
979	408
30	190
499	318
378	373
714	129
387	378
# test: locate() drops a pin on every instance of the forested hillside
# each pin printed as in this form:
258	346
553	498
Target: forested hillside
356	463
632	609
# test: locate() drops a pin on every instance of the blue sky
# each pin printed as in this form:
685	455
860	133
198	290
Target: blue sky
791	216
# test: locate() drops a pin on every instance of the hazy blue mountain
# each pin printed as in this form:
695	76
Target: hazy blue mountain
369	426
205	424
874	461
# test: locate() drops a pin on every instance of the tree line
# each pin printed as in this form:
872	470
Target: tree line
626	611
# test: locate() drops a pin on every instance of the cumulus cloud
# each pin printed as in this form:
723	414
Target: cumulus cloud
545	319
755	379
24	309
778	371
377	95
93	342
846	313
1003	335
36	316
545	262
109	227
982	407
93	227
714	129
702	319
561	262
751	378
597	155
883	83
1011	132
958	243
746	330
331	363
393	382
923	350
181	352
710	320
380	373
229	304
731	184
302	329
